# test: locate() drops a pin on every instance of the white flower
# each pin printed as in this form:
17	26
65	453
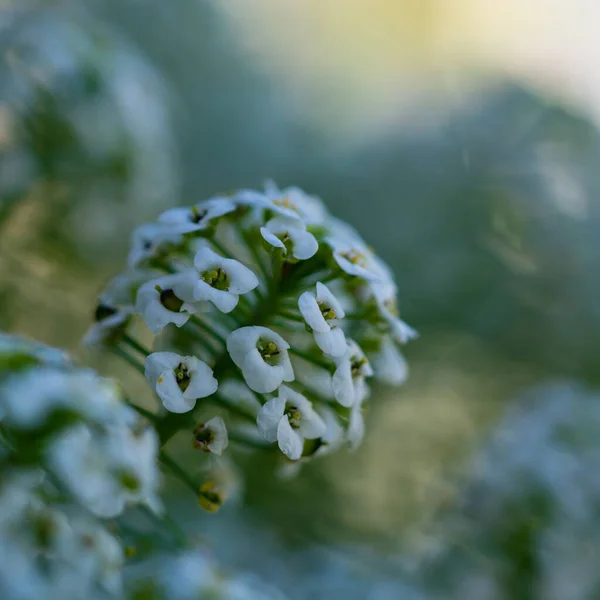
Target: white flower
168	299
291	203
356	426
388	363
115	306
188	576
179	380
291	237
349	386
185	219
322	312
262	356
110	322
289	419
353	258
92	555
149	240
211	436
28	399
222	280
14	344
107	470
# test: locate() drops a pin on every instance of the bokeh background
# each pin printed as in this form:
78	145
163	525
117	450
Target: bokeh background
461	138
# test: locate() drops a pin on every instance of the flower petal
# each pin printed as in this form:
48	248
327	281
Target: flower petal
260	376
220	437
159	362
343	390
333	342
307	303
305	244
268	418
170	394
290	442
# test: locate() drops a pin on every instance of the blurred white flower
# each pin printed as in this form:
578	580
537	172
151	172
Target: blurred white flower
349	386
222	280
105	471
184	219
168	299
290	236
323	313
179	380
291	203
149	240
28	400
262	356
389	365
211	436
289	419
51	554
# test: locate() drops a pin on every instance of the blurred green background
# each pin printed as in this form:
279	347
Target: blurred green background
453	138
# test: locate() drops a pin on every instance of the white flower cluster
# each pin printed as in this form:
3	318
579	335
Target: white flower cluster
191	575
268	289
50	553
78	426
527	524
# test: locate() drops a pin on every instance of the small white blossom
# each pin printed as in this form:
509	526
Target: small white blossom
262	356
27	400
354	259
222	280
179	380
291	203
188	576
168	299
289	419
349	386
14	344
186	219
149	240
107	470
115	306
211	436
291	237
323	313
356	426
388	363
109	322
50	554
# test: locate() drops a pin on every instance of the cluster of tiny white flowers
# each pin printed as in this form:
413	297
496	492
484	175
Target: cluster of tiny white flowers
191	574
49	552
265	289
78	426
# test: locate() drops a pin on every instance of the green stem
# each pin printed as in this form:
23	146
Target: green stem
255	252
144	412
180	473
312	394
245	441
232	407
311	359
178	533
290	316
222	249
128	358
135	345
208	328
